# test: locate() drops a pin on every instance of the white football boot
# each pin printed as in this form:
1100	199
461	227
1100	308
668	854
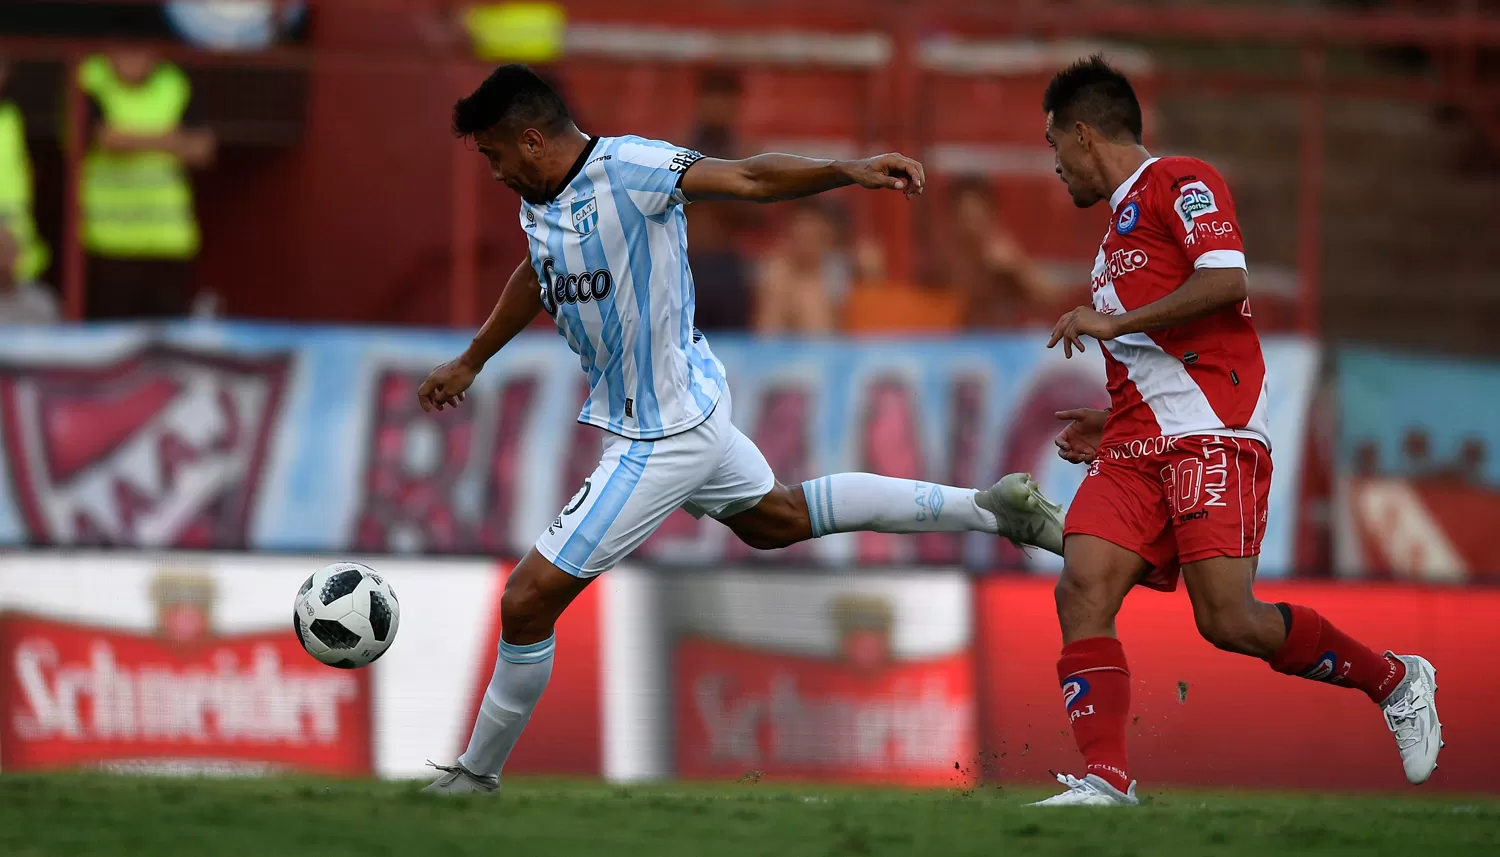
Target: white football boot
455	779
1090	791
1411	715
1026	516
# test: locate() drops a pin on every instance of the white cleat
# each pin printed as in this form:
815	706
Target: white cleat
455	779
1090	791
1411	714
1026	516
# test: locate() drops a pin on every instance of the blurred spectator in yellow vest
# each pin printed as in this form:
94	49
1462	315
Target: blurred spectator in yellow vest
16	215
530	33
139	226
22	301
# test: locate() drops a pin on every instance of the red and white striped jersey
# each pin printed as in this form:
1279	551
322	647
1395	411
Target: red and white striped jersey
1172	217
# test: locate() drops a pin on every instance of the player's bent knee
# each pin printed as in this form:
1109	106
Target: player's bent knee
522	609
779	520
536	594
764	540
1229	630
1080	603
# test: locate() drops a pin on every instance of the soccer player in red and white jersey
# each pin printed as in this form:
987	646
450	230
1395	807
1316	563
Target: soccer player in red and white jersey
1180	464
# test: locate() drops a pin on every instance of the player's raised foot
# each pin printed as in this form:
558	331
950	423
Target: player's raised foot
1090	791
1411	714
455	779
1026	516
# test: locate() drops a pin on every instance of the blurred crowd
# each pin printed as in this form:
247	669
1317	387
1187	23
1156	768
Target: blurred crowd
789	269
814	274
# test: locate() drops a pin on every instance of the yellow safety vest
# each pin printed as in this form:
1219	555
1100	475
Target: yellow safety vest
138	205
516	32
15	194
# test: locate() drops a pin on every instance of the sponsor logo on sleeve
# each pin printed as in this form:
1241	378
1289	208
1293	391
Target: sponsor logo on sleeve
1194	200
684	159
1209	230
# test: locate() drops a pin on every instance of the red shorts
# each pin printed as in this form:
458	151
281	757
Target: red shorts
1176	500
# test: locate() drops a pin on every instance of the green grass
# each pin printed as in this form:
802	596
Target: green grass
78	816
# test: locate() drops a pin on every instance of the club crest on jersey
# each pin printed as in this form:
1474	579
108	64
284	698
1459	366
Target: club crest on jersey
1130	215
1195	201
585	215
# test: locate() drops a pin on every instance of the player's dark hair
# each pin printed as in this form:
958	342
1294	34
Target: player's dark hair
516	96
1092	92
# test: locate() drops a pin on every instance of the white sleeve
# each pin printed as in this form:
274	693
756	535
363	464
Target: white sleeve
651	171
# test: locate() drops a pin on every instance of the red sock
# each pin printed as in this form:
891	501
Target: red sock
1096	692
1317	651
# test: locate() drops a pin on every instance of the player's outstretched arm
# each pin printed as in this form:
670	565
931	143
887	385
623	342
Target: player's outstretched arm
775	177
517	307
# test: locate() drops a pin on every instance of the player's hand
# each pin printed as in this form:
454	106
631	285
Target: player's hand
1079	442
446	384
1081	322
887	172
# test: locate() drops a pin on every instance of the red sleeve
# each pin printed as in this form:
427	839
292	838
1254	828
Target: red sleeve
1194	205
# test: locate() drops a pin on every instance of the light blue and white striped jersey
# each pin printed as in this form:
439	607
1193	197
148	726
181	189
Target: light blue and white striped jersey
610	251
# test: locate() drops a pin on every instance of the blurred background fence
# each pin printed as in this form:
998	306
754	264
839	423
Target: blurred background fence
237	383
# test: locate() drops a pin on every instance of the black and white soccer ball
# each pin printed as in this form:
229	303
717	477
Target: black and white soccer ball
346	615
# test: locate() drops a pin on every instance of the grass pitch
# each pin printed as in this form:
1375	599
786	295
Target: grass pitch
77	816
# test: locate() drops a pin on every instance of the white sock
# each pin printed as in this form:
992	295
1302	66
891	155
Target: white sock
851	502
521	674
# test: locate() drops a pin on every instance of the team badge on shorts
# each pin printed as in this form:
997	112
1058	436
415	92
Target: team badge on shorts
585	215
1130	215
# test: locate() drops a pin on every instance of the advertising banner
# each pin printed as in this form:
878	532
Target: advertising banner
1418	481
213	436
1203	717
187	662
819	677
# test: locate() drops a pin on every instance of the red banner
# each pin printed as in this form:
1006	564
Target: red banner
861	718
1205	717
71	694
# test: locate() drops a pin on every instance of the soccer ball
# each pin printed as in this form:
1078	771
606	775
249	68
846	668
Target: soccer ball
346	615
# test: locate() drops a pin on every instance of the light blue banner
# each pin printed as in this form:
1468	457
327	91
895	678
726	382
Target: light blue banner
1409	415
310	439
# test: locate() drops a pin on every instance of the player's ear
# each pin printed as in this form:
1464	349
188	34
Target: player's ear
532	141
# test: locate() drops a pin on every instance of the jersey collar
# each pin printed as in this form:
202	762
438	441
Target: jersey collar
573	171
1119	195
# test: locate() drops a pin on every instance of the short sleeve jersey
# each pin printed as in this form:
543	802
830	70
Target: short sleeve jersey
610	252
1173	216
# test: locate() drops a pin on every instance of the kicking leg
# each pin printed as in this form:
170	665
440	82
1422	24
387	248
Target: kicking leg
536	594
1296	640
854	502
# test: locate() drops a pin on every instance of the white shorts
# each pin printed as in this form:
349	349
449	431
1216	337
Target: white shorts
711	469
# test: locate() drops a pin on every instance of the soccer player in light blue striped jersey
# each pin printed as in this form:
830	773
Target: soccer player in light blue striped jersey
608	262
